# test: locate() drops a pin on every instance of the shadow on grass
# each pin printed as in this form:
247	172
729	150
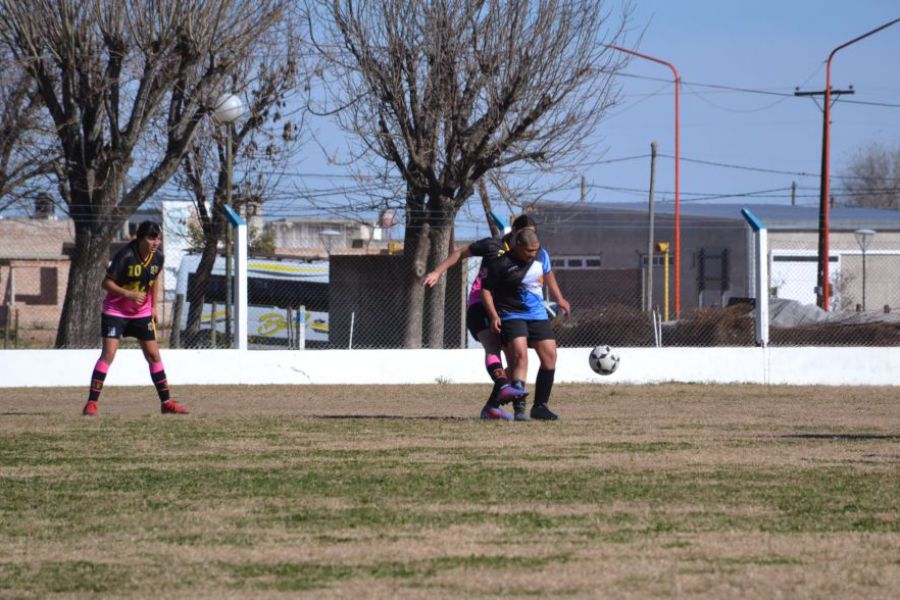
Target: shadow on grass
841	436
395	417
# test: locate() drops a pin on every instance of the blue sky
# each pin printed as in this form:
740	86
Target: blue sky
765	46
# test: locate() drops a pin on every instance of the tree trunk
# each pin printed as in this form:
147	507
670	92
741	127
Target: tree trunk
79	323
436	297
197	292
415	260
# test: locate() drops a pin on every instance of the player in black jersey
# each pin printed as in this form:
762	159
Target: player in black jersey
133	295
477	320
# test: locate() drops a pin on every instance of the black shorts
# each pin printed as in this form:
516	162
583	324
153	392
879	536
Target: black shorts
535	331
141	328
477	319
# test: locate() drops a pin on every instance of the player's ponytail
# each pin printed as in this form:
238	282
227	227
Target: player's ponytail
523	221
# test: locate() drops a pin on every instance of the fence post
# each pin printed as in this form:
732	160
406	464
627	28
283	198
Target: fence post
301	327
289	327
212	323
761	259
175	340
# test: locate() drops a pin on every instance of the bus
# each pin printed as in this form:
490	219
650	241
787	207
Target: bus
277	289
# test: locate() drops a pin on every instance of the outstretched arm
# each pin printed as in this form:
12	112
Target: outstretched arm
457	255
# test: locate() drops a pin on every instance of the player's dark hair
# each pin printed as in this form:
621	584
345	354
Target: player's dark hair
523	221
148	229
526	237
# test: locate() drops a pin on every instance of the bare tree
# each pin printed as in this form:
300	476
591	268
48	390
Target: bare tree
447	91
261	144
27	153
105	70
872	178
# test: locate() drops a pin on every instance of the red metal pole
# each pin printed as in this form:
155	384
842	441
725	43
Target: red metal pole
824	224
677	239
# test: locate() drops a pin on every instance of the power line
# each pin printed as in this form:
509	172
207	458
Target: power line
729	88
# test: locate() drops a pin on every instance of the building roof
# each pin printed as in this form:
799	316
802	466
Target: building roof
34	239
802	218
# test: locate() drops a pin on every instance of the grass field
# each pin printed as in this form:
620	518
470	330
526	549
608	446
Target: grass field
399	492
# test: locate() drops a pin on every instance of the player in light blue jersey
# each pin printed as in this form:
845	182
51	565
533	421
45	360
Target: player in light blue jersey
512	293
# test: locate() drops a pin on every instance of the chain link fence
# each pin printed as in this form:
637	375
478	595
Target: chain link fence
348	292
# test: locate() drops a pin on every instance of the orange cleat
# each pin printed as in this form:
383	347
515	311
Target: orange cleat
90	409
170	407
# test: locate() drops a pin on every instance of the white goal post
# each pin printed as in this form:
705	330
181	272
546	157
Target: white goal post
240	278
760	263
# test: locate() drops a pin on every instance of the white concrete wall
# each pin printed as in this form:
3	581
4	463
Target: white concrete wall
793	366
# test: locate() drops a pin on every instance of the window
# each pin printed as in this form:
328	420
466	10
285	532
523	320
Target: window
658	260
576	262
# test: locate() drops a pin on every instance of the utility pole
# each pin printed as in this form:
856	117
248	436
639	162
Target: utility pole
583	189
822	283
649	286
793	193
822	290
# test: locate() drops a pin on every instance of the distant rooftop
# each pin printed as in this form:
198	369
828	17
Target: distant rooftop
773	216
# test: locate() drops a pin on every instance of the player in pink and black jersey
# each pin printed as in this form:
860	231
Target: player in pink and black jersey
133	295
477	320
512	293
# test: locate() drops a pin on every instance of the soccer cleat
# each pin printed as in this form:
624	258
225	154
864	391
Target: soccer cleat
494	413
170	407
542	413
90	409
519	410
511	392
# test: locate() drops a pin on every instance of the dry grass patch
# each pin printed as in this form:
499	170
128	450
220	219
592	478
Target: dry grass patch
394	492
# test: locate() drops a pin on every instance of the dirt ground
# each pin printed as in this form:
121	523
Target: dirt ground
643	406
775	491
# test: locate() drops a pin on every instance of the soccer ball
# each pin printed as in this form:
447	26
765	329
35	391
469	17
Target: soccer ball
603	360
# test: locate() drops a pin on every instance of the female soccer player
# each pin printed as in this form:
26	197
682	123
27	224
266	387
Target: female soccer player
512	293
133	295
477	319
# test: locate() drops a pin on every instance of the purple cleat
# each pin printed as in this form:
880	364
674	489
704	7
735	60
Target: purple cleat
494	413
509	392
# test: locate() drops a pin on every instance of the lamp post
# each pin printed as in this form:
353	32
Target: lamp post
229	109
677	238
822	283
864	239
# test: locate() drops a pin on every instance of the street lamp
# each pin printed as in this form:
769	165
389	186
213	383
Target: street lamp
677	238
864	239
228	109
